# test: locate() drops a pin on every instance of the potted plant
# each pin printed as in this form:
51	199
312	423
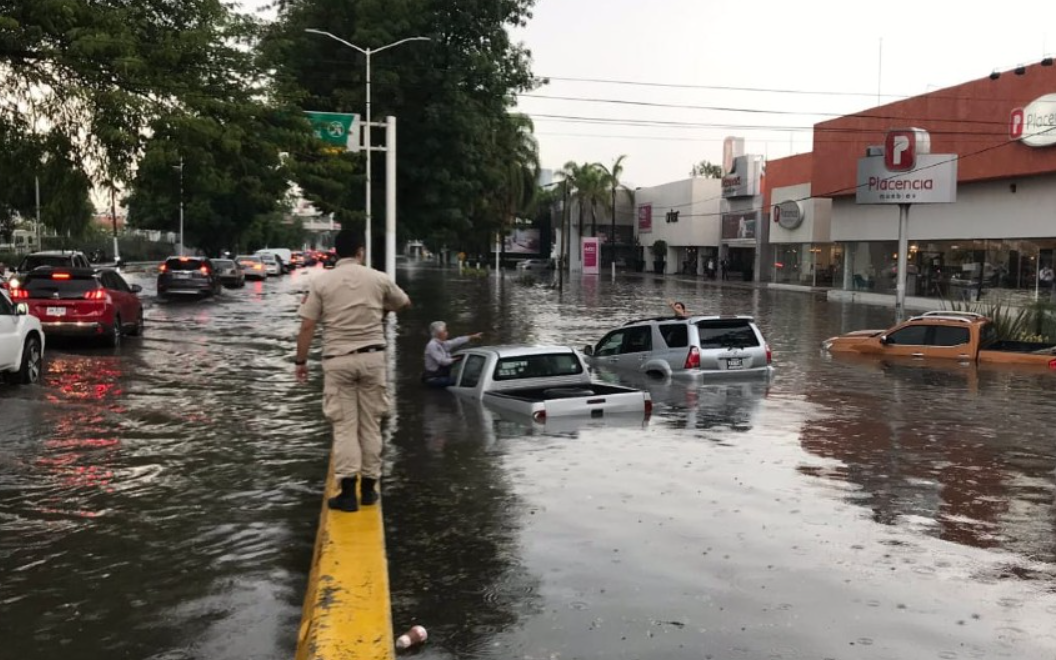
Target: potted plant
659	255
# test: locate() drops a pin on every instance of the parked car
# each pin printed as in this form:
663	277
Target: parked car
82	302
183	276
272	265
540	382
56	258
297	259
252	266
945	335
21	343
692	346
535	264
230	273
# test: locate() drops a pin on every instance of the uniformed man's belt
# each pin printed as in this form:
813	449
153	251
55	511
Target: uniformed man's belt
365	349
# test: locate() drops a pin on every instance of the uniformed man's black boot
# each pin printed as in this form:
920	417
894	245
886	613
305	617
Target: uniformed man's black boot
367	494
346	501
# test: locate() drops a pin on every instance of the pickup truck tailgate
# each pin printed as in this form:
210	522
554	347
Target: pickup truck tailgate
597	405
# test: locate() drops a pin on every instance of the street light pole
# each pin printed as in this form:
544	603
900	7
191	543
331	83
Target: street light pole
367	233
180	168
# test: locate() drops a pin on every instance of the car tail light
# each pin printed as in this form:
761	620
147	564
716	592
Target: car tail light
769	354
95	294
205	270
693	359
19	294
162	268
1052	364
539	416
648	406
60	276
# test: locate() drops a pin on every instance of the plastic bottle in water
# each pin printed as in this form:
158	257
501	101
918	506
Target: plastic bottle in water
416	635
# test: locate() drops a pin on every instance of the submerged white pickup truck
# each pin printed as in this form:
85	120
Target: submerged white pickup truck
541	382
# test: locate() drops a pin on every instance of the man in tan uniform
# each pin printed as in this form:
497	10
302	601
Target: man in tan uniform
350	303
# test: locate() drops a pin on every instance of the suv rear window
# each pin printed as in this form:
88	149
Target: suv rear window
45	286
538	366
37	260
182	264
727	334
676	335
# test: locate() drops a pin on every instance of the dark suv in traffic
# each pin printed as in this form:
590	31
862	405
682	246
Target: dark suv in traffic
188	276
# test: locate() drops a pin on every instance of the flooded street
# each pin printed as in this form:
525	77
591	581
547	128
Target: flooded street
160	500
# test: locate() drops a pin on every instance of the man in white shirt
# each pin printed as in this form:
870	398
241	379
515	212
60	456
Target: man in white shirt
438	358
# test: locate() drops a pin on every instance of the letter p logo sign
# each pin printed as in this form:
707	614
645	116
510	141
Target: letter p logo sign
900	151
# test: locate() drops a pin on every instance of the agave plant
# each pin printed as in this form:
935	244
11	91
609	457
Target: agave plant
1033	322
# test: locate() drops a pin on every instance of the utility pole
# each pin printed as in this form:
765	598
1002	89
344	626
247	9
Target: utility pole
180	168
113	219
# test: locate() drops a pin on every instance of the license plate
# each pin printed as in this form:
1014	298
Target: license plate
181	275
734	363
56	311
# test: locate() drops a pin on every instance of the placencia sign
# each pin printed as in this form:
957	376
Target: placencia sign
1035	123
905	172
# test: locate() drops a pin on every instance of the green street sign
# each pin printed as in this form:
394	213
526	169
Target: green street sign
337	129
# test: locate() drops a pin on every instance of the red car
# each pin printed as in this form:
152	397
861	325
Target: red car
81	302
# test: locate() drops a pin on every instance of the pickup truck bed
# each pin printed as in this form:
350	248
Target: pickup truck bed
593	399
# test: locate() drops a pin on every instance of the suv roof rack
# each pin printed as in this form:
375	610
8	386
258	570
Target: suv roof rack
965	317
658	318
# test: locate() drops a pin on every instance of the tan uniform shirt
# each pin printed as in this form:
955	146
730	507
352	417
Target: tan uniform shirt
349	302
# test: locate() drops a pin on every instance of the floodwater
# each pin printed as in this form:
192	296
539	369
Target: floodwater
160	500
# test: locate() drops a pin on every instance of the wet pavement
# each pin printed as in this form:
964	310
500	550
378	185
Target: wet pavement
160	500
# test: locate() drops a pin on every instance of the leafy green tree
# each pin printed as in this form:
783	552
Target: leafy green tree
451	95
706	169
98	74
232	171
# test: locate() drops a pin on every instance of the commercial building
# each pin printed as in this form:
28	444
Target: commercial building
684	217
990	244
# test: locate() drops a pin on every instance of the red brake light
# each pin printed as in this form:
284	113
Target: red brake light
1052	364
769	354
693	359
95	294
205	270
162	268
60	276
19	294
539	416
185	258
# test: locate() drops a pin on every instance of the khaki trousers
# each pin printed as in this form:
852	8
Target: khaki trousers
354	401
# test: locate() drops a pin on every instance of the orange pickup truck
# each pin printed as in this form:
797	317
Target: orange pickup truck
943	335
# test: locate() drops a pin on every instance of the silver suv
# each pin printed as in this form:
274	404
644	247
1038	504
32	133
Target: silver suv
691	346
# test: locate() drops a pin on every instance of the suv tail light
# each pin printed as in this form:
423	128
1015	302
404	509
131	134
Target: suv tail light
769	354
96	294
19	294
693	359
162	268
205	270
539	416
60	276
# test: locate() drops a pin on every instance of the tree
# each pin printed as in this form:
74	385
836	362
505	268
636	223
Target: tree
452	97
612	180
95	75
521	181
707	170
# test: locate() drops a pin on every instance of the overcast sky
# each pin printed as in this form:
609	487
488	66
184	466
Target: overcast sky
819	58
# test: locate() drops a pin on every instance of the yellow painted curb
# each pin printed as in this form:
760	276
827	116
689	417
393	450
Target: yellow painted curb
347	610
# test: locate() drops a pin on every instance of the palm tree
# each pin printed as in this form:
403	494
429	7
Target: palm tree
521	175
612	178
594	190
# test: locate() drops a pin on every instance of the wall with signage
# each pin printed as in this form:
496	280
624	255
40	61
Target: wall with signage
977	117
982	210
815	221
744	179
697	201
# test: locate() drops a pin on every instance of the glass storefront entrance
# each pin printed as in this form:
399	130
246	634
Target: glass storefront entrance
807	264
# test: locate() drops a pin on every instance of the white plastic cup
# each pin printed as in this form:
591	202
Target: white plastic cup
416	635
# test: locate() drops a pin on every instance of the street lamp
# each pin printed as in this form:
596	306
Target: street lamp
366	136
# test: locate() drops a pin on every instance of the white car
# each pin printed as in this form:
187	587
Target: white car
534	264
271	263
21	343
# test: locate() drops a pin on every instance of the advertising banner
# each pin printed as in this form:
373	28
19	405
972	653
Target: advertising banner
590	255
645	218
739	225
523	241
